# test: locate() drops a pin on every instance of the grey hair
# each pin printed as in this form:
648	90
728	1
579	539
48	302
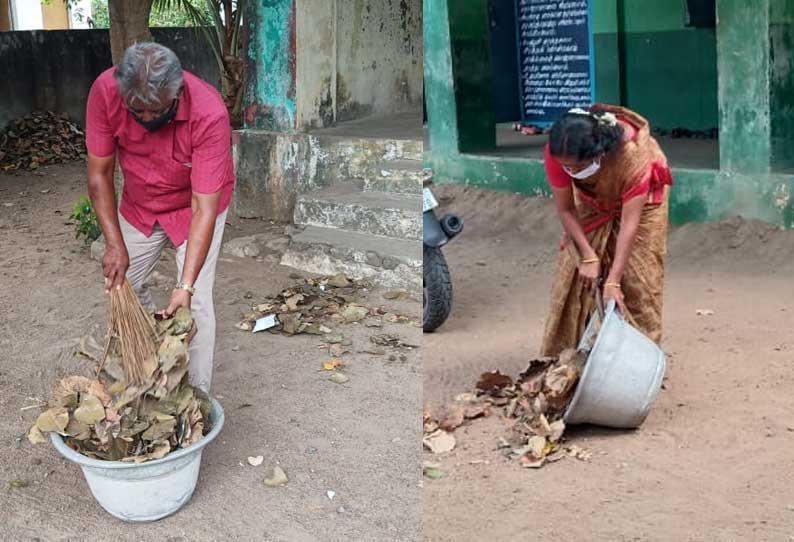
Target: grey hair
149	73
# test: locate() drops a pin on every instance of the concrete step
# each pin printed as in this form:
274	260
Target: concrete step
398	176
394	263
345	206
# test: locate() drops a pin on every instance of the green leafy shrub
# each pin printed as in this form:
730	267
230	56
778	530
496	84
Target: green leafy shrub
86	224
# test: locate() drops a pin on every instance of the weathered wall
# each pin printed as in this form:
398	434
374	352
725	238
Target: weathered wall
269	102
272	168
53	70
316	64
356	58
379	57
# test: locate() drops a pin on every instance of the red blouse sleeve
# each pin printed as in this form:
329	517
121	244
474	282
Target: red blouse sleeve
556	175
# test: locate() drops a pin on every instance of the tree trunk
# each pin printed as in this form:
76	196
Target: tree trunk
129	24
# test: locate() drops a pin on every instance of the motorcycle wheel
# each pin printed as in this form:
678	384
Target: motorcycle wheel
436	289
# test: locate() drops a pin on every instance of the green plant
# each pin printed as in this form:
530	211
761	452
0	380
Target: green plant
86	223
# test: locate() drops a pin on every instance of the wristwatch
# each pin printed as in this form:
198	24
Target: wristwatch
186	286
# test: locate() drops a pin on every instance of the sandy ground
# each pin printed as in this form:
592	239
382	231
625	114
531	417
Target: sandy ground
712	462
360	439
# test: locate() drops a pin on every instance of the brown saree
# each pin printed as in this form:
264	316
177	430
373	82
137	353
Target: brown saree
638	168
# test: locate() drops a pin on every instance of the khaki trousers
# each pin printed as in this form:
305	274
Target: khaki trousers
144	252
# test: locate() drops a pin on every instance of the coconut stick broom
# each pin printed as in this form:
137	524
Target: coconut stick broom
136	331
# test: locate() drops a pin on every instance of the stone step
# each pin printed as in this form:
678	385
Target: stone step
345	206
393	263
399	176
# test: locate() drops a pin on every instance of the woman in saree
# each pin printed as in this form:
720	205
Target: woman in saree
610	182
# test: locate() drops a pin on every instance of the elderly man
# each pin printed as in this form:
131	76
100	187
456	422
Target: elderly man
171	133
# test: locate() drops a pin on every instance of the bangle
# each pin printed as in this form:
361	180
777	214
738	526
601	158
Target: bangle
613	284
590	260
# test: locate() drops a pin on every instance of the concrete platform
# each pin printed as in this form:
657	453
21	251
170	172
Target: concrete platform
406	125
395	263
345	206
398	176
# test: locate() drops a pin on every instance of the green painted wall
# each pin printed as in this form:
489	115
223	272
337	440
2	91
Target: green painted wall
697	195
781	89
647	60
270	66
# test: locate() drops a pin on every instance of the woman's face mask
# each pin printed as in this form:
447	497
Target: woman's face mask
586	172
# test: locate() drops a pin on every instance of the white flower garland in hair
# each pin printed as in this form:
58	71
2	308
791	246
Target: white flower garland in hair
607	118
604	118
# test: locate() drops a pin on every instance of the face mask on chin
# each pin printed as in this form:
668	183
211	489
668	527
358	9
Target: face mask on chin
589	171
159	122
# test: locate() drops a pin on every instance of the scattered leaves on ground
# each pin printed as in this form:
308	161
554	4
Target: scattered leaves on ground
439	441
279	478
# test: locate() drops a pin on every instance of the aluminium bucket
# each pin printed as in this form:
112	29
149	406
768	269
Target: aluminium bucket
146	491
621	378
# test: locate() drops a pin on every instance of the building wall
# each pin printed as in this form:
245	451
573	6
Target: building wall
311	64
55	15
379	57
53	70
316	64
27	15
648	58
5	16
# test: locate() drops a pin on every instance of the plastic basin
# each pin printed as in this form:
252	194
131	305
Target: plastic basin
622	377
146	491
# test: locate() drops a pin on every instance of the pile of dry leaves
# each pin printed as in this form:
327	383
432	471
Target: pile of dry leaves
316	304
533	406
39	139
106	418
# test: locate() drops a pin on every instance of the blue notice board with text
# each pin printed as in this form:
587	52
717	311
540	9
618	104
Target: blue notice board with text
555	58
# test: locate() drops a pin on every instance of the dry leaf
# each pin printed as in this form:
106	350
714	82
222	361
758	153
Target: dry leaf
453	418
493	382
439	442
279	478
397	294
339	378
35	436
466	398
434	473
339	281
90	410
353	313
53	420
255	461
332	365
337	350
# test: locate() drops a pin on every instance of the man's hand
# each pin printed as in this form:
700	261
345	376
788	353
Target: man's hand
179	298
114	265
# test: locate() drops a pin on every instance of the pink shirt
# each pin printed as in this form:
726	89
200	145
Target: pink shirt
163	168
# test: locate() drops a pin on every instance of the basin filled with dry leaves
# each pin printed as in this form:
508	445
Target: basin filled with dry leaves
137	430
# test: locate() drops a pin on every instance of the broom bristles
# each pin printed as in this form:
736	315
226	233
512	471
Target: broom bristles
136	331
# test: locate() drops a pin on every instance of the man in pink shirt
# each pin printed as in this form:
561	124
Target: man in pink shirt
170	131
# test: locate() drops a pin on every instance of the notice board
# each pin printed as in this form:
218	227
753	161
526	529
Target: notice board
555	58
